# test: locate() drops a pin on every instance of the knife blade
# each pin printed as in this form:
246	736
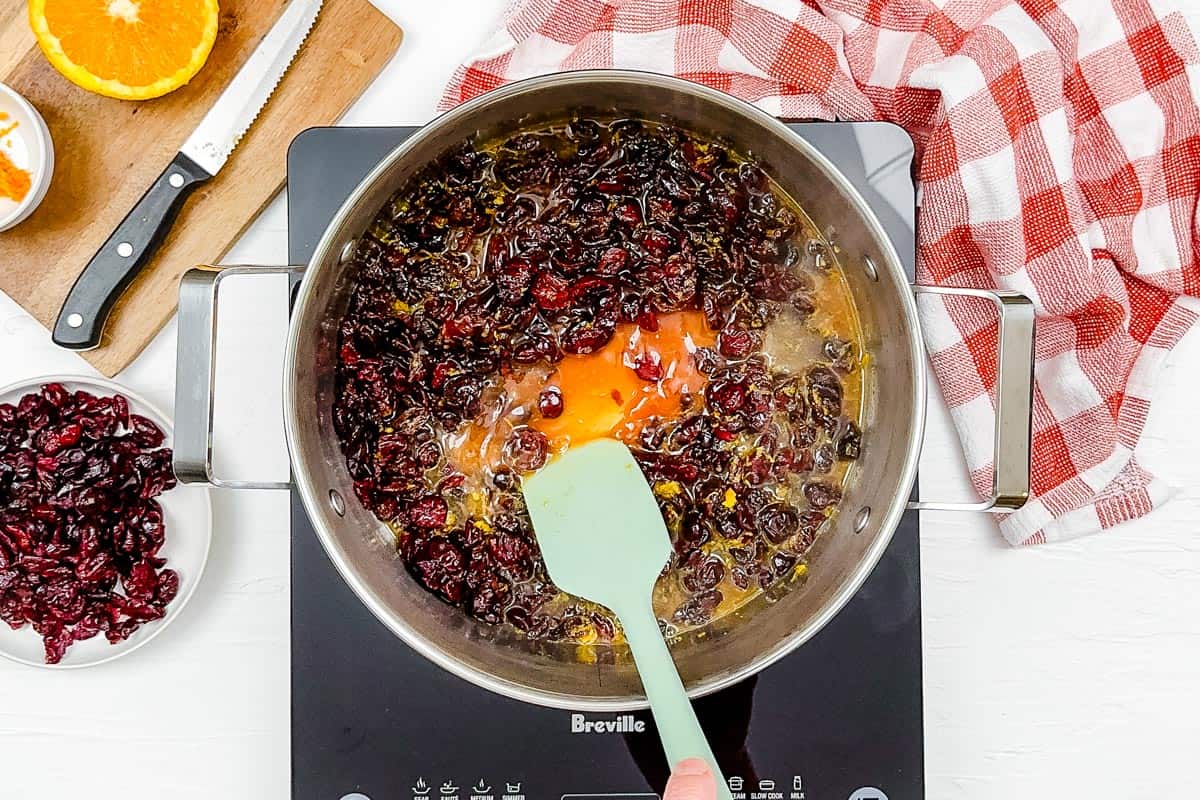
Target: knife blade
131	245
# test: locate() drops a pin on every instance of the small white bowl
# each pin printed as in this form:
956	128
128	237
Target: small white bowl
30	148
187	513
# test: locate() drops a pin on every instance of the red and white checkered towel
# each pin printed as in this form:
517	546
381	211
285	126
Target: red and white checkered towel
1059	155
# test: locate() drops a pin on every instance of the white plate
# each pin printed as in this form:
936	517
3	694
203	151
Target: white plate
187	513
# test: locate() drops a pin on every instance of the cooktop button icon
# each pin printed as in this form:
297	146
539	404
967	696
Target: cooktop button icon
420	788
767	785
449	787
512	788
736	784
867	793
481	787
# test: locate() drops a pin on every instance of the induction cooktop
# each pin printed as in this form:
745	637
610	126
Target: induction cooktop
838	719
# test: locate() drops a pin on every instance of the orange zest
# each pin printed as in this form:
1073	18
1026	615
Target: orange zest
128	49
14	181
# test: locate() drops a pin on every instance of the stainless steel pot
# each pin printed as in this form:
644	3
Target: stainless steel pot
734	646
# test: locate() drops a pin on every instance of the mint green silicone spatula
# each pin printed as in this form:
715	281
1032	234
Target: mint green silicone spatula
603	538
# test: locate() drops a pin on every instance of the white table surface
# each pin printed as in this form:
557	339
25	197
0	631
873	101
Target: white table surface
1064	670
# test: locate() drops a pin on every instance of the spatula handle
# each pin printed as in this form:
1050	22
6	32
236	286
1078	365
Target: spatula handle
678	727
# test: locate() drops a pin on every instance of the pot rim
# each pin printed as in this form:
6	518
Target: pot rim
329	247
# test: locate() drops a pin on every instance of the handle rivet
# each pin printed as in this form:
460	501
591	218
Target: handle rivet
75	320
861	518
870	269
124	249
336	501
347	252
175	179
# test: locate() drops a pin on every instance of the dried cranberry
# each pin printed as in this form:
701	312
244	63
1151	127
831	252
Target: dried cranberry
440	567
778	521
693	532
141	582
647	320
782	564
56	644
519	617
428	512
488	599
459	327
79	530
527	449
706	360
550	402
648	366
849	445
144	431
821	495
55	394
513	553
657	243
586	337
824	393
605	630
463	393
514	279
660	209
738	342
53	440
823	458
551	292
628	213
727	397
741	576
612	261
168	586
504	479
840	353
703	573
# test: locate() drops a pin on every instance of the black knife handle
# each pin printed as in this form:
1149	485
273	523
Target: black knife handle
121	258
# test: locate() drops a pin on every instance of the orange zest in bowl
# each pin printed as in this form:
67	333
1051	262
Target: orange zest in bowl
6	127
14	181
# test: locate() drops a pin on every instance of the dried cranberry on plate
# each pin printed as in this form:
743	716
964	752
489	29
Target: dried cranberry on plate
80	528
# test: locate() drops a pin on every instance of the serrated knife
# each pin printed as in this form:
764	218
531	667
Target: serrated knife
133	243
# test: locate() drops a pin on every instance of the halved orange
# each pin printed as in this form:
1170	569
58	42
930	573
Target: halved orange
128	49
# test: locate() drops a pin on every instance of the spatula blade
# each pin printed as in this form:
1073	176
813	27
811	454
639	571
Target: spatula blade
603	538
600	530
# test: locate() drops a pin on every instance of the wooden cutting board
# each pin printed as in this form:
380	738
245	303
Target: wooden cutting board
109	151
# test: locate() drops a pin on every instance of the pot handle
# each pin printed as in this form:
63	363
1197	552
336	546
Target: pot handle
1014	402
195	364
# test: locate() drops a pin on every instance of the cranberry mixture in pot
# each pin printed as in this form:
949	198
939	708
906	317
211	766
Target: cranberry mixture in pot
598	278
